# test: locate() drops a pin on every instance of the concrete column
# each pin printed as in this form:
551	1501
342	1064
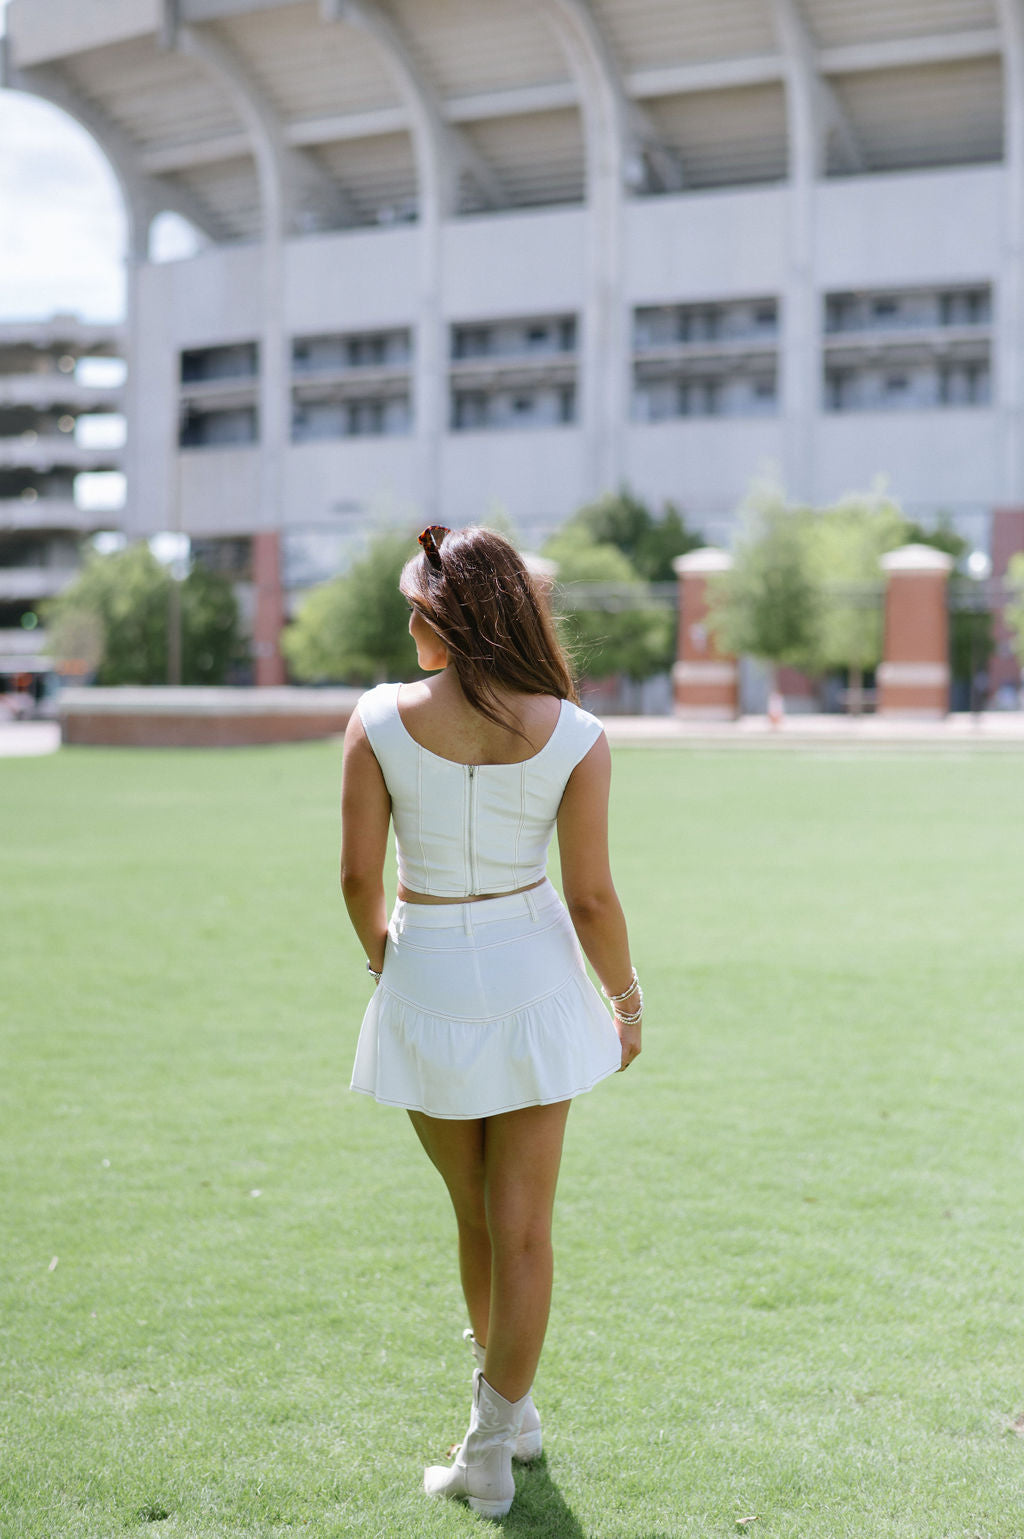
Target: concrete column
913	680
705	680
800	341
269	617
604	347
1009	353
437	194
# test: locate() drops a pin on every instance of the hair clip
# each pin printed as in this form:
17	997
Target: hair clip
431	539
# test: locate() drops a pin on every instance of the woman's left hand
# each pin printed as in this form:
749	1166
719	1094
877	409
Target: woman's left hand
629	1036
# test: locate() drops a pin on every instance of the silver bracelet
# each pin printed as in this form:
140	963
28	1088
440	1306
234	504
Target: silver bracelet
614	999
374	974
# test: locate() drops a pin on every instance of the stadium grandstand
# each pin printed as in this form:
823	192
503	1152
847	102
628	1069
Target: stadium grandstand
459	254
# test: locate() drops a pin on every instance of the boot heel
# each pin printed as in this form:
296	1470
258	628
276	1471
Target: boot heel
489	1509
529	1446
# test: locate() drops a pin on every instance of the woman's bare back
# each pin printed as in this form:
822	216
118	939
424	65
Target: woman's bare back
438	716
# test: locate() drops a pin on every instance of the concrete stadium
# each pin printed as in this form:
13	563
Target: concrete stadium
458	255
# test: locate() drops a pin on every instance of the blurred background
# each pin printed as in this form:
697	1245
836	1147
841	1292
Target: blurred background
627	278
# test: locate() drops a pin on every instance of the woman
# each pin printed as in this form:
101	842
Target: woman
484	1024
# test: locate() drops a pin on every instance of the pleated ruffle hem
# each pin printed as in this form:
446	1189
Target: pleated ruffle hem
483	1008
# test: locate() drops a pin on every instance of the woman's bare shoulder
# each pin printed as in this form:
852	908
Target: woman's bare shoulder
442	719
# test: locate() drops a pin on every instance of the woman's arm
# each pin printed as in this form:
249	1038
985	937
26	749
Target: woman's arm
365	815
590	896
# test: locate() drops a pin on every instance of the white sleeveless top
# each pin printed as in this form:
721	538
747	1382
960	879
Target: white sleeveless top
464	829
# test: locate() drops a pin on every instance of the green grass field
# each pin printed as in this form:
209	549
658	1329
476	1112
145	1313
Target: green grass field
789	1245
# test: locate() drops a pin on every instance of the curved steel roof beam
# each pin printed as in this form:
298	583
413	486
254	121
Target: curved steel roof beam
144	194
800	339
295	192
647	163
272	167
612	157
1010	352
452	147
809	95
437	184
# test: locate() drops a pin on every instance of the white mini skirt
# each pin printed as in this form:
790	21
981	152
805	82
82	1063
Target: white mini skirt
483	1008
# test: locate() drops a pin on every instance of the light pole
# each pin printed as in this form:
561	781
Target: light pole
979	569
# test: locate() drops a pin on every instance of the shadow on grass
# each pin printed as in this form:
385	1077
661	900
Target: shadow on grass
539	1507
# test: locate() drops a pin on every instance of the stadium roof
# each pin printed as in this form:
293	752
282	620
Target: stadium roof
186	96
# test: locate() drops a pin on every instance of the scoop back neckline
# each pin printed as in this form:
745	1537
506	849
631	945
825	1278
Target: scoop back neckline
464	763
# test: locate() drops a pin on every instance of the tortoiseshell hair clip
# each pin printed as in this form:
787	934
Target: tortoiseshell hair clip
431	539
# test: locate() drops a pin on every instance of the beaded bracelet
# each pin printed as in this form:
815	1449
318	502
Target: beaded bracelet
630	1020
613	999
634	1016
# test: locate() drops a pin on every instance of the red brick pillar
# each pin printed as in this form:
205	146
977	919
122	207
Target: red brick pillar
1007	540
268	617
913	680
705	681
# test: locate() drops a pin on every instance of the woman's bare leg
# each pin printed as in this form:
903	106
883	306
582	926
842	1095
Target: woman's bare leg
456	1148
522	1153
501	1174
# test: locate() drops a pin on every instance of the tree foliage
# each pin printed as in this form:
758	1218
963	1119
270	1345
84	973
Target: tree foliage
649	543
1013	614
770	604
114	618
847	542
354	629
801	588
635	637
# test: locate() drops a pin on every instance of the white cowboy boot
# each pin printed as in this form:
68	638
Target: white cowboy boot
529	1443
482	1472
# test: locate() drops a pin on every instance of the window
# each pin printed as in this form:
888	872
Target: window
470	410
339	351
366	418
201	365
218	429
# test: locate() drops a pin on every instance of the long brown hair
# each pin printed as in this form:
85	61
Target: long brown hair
481	600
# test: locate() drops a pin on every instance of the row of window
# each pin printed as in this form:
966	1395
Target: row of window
328	420
846	390
655	328
691	360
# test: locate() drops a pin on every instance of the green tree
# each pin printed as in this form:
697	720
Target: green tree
617	630
649	543
353	629
770	604
846	543
1013	614
117	610
211	641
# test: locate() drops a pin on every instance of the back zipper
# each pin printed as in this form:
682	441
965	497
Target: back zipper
471	870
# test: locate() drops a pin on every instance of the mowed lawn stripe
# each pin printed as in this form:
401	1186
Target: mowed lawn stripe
788	1242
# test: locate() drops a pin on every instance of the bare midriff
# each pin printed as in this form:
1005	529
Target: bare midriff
477	897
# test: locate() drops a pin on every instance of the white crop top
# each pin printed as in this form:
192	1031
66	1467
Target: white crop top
463	829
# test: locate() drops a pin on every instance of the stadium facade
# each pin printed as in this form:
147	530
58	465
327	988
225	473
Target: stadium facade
462	254
45	392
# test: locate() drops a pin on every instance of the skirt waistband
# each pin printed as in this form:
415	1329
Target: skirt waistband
480	911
